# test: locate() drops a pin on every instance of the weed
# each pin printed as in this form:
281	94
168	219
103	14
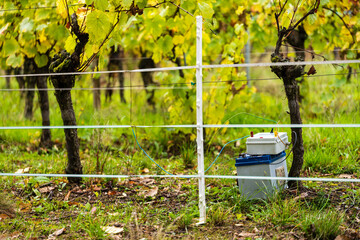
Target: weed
322	225
188	155
184	221
217	215
280	212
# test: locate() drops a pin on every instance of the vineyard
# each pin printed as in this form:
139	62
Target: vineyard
122	119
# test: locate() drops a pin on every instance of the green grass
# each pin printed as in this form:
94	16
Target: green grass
114	151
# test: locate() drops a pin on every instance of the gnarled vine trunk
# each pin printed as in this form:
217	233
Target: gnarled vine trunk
30	82
41	83
65	63
148	78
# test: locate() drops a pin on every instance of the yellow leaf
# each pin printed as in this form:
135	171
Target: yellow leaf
42	36
178	40
61	8
240	10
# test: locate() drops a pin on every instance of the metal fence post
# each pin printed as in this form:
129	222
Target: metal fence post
199	120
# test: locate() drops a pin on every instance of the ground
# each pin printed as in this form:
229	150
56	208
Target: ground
147	208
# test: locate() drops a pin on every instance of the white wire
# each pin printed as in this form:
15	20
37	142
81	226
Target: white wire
189	126
189	67
182	176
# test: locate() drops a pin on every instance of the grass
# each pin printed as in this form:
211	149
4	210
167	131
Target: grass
173	211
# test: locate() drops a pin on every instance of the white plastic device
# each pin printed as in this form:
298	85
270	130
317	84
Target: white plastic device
267	143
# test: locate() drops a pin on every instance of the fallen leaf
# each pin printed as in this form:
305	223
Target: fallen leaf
114	214
93	210
56	233
25	207
3	216
72	203
302	196
46	189
151	193
19	171
348	176
95	188
112	230
67	196
246	234
111	193
342	237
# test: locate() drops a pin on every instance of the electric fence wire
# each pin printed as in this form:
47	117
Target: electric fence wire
238	139
160	86
36	8
339	125
163	69
148	154
347	180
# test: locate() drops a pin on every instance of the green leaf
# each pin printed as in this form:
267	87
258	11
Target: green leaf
165	43
312	19
101	4
42	14
10	47
206	10
98	25
26	25
141	3
70	44
127	3
57	32
41	60
29	50
14	61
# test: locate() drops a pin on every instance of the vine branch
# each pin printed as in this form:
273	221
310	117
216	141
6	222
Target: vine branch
342	19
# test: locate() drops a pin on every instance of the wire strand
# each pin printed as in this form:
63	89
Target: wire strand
148	154
159	86
269	64
222	150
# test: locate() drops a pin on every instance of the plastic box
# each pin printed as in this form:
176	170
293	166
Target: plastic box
261	165
266	143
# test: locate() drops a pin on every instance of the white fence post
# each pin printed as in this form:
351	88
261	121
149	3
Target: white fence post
199	120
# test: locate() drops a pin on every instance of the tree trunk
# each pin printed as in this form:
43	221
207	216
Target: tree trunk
148	79
63	97
116	63
30	82
20	81
291	90
45	140
8	72
96	93
29	97
121	79
297	40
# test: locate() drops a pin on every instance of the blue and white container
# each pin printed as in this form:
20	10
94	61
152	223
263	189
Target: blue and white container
261	165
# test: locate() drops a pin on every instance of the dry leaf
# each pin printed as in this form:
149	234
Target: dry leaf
93	210
311	71
67	196
112	230
25	207
246	234
3	216
348	176
302	196
111	193
46	189
151	192
20	171
56	233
